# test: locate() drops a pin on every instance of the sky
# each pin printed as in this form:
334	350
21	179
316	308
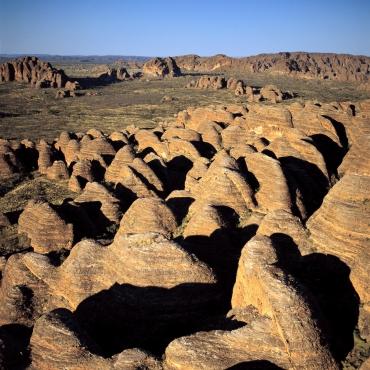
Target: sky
174	27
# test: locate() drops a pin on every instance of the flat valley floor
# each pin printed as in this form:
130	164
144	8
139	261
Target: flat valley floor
26	112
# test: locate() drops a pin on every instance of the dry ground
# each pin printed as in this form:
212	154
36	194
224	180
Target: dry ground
26	112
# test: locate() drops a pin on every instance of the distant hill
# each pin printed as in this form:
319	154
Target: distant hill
342	67
98	59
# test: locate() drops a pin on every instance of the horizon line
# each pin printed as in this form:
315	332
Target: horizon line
179	55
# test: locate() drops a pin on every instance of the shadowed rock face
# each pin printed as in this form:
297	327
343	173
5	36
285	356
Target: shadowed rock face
340	227
9	164
263	286
232	237
34	71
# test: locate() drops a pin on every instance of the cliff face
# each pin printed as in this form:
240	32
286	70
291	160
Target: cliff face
341	67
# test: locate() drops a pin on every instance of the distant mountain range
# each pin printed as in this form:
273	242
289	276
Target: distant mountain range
99	59
330	66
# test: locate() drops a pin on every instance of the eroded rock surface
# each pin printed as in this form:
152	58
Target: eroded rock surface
34	71
161	67
228	237
299	64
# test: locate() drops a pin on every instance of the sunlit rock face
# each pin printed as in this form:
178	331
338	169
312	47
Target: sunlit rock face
229	236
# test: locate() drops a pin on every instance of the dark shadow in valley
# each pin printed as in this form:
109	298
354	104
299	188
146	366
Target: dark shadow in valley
205	149
332	153
127	316
221	250
15	352
125	195
178	167
92	82
340	131
306	180
179	207
88	220
6	115
328	278
255	365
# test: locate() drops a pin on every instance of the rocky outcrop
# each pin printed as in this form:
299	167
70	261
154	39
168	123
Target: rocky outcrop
340	67
340	227
161	67
57	171
45	158
260	208
283	329
59	341
271	186
269	93
9	164
34	71
46	230
100	203
206	82
148	215
114	75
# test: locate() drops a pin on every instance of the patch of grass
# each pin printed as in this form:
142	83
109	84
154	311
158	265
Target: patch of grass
36	113
17	198
11	242
359	353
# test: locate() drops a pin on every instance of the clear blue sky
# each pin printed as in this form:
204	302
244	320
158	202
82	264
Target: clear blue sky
174	27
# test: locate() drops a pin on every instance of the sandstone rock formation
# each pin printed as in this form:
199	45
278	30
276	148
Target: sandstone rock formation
340	227
57	171
99	199
153	216
46	230
207	82
281	310
227	237
34	71
305	65
122	74
72	347
9	164
114	75
161	67
269	92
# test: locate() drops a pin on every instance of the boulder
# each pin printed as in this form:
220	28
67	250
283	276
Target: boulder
148	215
45	228
45	159
72	85
57	171
9	163
267	178
271	93
161	67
